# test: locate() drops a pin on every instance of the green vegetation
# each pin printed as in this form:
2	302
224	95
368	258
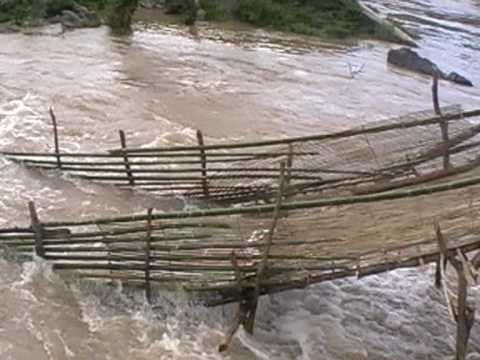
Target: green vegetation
32	12
120	14
333	18
330	18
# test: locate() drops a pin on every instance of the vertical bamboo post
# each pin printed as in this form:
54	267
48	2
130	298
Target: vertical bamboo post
123	144
464	316
443	123
148	239
289	166
242	307
446	151
55	138
249	322
37	229
436	104
203	162
438	274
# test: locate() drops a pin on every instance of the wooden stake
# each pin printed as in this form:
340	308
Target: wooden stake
438	274
55	137
37	229
262	268
148	289
443	123
242	309
123	143
446	153
436	104
203	160
289	165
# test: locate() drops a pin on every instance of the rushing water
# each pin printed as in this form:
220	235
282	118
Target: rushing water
159	85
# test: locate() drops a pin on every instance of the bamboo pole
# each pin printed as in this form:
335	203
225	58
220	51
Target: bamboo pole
192	154
443	124
463	314
249	323
203	162
320	137
193	246
114	178
300	282
298	205
223	170
37	229
55	138
123	143
446	154
148	289
436	105
289	165
432	176
242	309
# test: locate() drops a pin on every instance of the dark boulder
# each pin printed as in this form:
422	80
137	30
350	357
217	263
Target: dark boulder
410	60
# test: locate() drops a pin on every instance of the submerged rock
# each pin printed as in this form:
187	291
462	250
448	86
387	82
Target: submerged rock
459	79
410	60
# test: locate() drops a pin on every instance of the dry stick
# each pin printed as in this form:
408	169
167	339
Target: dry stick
464	315
55	138
38	230
262	268
203	161
148	289
123	143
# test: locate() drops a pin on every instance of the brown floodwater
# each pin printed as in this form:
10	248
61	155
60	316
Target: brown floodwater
162	83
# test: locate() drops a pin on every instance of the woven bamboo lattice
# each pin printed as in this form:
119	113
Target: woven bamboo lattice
297	243
413	148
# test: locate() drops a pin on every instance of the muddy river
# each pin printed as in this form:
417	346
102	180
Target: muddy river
161	84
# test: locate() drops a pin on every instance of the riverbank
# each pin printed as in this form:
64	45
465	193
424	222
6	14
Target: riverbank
326	19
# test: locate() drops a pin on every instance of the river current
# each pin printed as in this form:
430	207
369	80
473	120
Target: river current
161	84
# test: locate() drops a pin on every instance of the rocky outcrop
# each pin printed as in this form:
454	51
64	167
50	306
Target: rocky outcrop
410	60
79	17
